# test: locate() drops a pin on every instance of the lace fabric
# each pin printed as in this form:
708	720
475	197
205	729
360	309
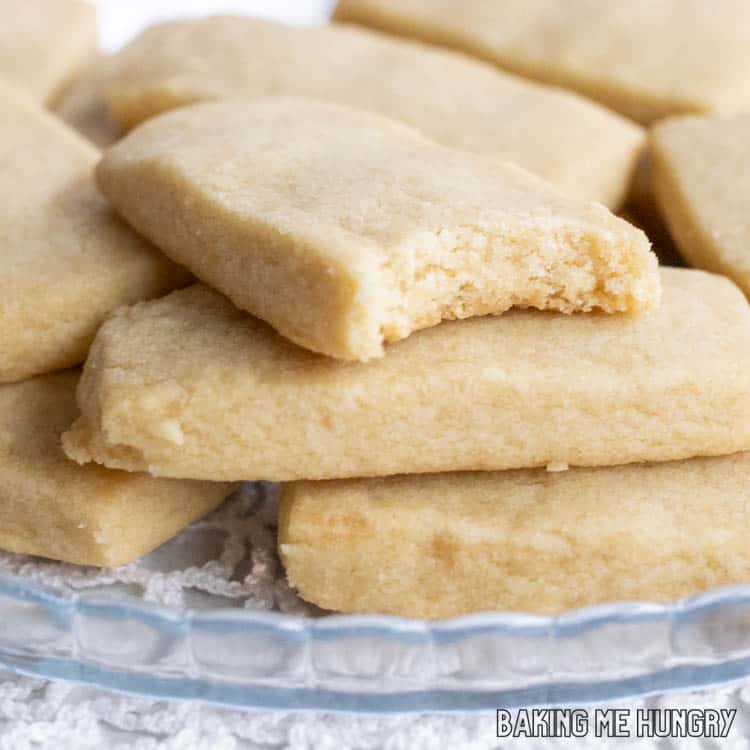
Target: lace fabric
226	559
39	715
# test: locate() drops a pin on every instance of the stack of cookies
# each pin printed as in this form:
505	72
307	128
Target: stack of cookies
67	262
478	389
348	234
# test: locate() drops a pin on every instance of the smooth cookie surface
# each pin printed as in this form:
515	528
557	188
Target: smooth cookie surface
701	177
43	43
575	144
443	545
66	260
344	230
189	386
89	515
644	58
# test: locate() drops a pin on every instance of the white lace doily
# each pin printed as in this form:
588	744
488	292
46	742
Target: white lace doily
227	559
38	715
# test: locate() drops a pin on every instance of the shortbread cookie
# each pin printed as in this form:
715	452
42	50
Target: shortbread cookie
189	386
577	145
343	229
645	217
43	43
65	260
701	175
84	108
90	515
644	58
441	545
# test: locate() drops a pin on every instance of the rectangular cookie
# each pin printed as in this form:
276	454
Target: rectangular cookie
579	146
344	230
189	386
442	545
66	260
88	515
701	177
43	43
644	58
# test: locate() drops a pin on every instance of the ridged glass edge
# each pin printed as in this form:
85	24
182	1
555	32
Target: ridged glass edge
675	671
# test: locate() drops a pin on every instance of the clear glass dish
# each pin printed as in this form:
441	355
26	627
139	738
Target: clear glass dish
370	663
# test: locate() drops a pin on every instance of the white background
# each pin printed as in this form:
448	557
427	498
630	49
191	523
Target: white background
120	20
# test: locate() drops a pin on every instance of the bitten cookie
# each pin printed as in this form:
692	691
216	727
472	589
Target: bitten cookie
442	545
644	58
701	176
189	386
344	230
88	515
579	146
43	43
66	260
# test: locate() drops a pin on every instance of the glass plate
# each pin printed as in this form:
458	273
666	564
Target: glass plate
372	663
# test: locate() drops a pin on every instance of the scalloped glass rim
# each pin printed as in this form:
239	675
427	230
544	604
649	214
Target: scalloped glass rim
373	663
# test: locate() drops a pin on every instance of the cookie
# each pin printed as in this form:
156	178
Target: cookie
644	58
344	230
577	145
83	107
43	43
701	176
66	260
441	545
89	515
189	386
